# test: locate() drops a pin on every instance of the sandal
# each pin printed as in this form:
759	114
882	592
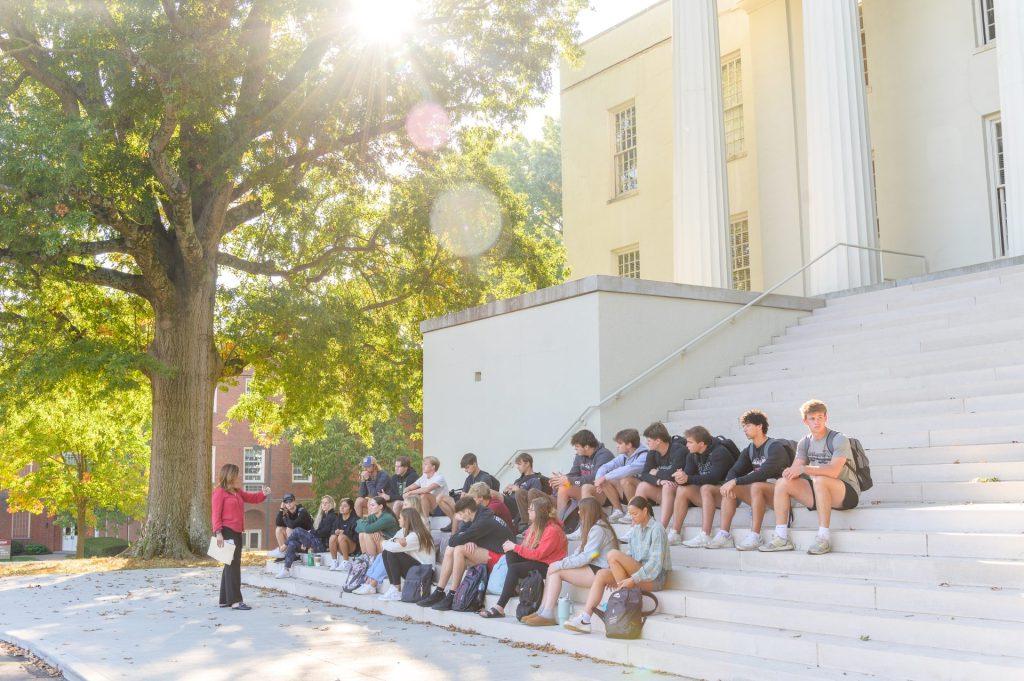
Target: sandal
240	606
492	613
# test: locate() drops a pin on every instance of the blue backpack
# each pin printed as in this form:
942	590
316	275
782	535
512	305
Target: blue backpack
472	590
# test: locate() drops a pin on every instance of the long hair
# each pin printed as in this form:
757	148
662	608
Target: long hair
384	506
412	523
592	514
415	502
228	472
644	504
320	510
541	517
351	505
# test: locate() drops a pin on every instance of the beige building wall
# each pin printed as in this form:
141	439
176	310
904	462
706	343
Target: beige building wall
931	88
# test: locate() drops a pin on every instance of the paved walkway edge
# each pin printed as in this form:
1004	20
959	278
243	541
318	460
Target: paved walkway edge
70	667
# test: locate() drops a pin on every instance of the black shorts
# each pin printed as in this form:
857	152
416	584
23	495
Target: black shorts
593	568
850	499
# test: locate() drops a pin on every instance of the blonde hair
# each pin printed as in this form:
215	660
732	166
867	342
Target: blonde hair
320	510
412	522
813	407
227	473
432	460
480	490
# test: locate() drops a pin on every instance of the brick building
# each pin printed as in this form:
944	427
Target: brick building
29	528
260	465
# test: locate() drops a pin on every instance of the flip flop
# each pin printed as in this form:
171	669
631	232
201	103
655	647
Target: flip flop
492	613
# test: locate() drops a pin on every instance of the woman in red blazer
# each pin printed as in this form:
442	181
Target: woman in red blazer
228	519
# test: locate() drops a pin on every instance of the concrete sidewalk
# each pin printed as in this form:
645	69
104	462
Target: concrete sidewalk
165	624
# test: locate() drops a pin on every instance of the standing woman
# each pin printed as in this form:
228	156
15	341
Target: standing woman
379	524
227	508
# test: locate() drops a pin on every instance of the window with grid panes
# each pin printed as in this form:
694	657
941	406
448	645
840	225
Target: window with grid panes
986	11
995	131
252	460
629	264
732	105
299	476
739	243
625	151
863	42
21	523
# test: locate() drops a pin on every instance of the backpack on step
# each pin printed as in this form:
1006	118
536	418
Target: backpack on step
472	589
860	464
734	451
624	617
531	591
418	581
357	575
571	517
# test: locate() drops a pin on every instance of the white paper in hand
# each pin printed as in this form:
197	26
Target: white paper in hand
223	554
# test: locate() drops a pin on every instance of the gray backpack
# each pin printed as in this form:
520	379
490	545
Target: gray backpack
357	575
624	617
860	464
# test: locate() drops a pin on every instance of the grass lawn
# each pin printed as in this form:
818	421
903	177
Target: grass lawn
24	565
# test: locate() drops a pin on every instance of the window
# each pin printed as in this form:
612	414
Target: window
874	193
251	487
216	390
252	458
863	42
625	151
985	19
248	380
994	129
253	539
629	263
21	525
213	463
299	476
732	105
739	248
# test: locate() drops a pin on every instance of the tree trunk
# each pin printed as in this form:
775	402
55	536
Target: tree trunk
178	520
81	530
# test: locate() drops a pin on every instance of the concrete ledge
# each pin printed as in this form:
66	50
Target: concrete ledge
931	276
607	284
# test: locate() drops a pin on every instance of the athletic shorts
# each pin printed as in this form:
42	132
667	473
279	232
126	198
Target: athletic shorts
594	568
850	498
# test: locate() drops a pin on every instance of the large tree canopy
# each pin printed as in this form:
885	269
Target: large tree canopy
269	178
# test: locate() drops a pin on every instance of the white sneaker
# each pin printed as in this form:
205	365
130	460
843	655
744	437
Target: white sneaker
365	589
750	542
701	541
624	519
674	538
345	566
576	623
276	553
334	565
285	573
392	594
722	541
574	536
615	516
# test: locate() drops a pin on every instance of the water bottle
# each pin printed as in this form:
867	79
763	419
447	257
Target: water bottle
309	557
564	609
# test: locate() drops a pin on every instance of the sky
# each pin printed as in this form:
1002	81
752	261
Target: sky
601	15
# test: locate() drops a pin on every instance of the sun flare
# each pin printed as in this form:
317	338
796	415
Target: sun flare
384	22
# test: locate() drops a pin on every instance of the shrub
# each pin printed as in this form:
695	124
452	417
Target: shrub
36	550
17	548
103	547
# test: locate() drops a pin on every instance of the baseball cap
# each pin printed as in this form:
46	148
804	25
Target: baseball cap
369	461
288	497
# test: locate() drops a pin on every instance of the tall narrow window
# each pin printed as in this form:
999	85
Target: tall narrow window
998	173
625	151
213	463
739	242
863	42
21	524
985	18
629	264
732	105
253	459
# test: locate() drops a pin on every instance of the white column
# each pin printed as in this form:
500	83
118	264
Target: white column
840	198
700	192
1010	56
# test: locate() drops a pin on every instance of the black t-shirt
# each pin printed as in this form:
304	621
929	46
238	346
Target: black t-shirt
481	476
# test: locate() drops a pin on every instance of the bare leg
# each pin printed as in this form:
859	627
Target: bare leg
729	506
281	535
361	507
710	499
347	547
621	565
332	546
761	494
798	489
688	495
610	489
446	567
602	580
830	493
581	576
463	559
445	503
629	486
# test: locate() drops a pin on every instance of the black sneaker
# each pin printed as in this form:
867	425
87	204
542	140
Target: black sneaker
447	528
435	596
445	603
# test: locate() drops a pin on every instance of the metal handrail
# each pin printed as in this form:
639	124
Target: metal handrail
682	350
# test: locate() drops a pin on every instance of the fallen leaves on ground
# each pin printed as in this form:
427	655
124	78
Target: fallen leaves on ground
72	566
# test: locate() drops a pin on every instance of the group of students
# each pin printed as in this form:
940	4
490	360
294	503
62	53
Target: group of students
599	489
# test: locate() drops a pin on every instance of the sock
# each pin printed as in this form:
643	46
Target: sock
782	531
823	533
546	613
722	533
585	618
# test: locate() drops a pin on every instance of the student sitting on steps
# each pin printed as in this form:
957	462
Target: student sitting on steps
405	475
644	565
488	498
581	568
707	464
345	540
411	545
578	483
527	487
314	539
619	478
372	482
665	456
751	479
543	544
379	524
479	541
431	487
821	478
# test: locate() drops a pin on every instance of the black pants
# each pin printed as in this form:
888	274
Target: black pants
231	577
518	567
397	565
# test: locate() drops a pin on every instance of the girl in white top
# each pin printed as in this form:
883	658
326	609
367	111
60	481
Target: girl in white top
578	569
411	545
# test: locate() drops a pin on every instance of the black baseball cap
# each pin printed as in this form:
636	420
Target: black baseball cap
287	498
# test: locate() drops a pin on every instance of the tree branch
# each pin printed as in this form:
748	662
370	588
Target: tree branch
270	269
177	191
240	214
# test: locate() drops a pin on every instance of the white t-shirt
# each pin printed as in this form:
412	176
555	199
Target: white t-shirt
436	479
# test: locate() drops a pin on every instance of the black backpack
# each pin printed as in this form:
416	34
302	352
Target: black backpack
860	464
417	583
357	575
571	517
531	591
624	617
472	590
734	451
